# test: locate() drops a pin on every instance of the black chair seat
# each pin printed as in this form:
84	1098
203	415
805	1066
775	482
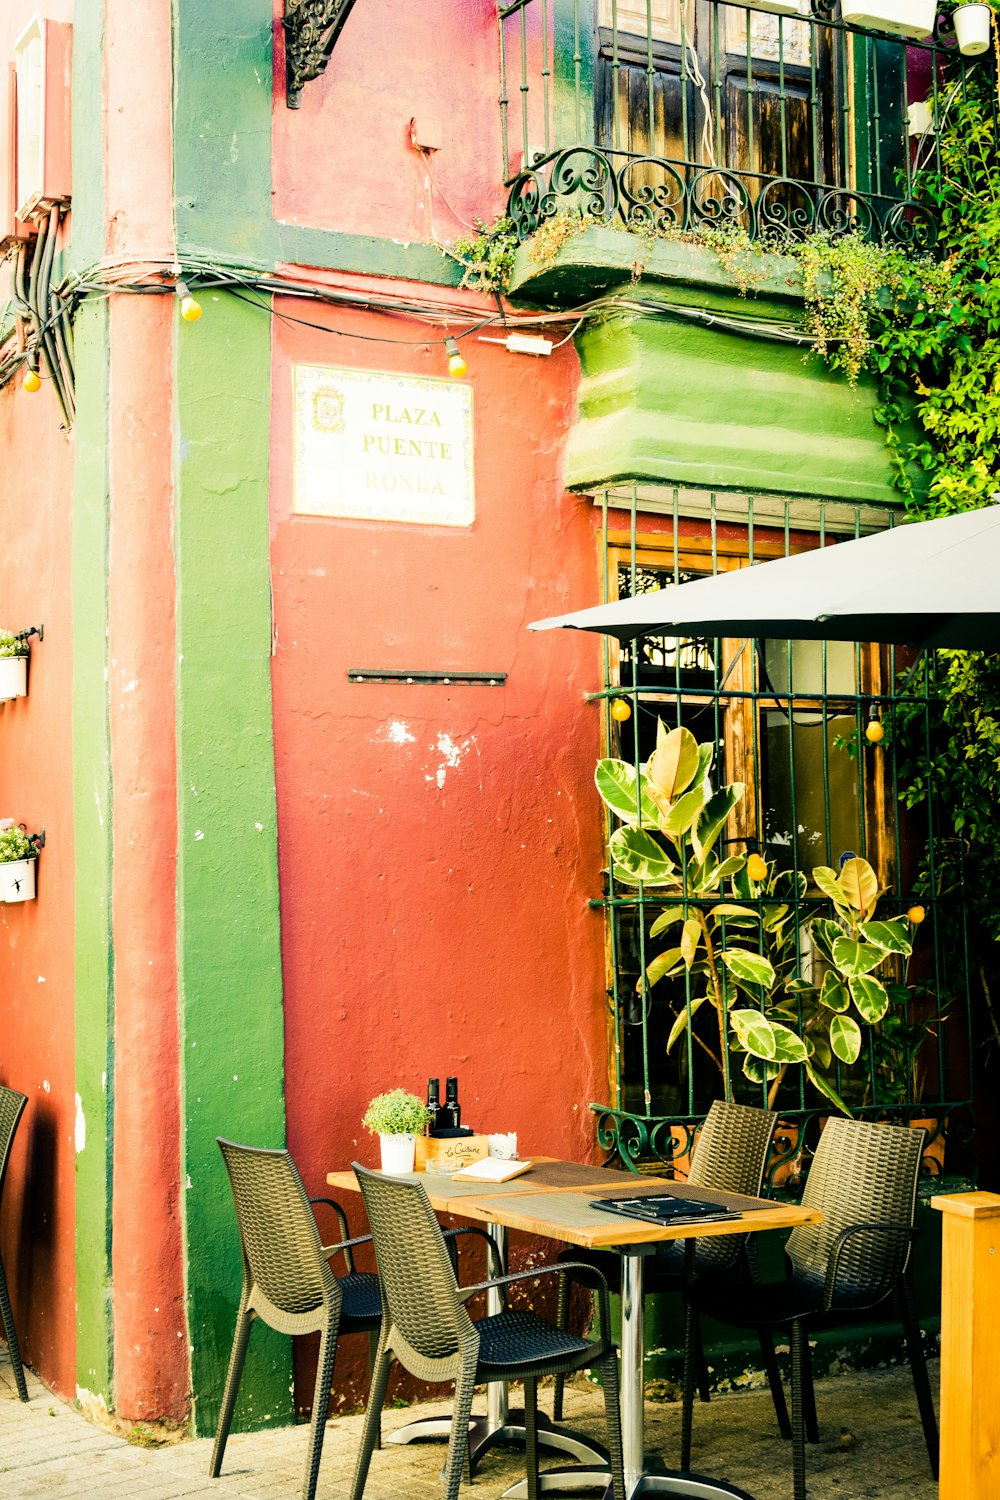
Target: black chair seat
769	1305
362	1300
518	1337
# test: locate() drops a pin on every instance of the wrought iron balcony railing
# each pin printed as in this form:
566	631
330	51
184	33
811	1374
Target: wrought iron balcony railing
656	115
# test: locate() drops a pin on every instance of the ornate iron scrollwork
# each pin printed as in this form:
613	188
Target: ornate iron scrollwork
311	31
657	194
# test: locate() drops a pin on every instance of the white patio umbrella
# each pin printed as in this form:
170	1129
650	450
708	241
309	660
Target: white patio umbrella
925	583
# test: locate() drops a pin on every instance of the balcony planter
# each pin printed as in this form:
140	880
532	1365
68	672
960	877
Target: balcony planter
779	7
18	861
973	27
913	19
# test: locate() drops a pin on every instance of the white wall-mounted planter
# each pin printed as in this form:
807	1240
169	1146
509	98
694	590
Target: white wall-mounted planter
17	879
781	7
13	677
913	19
973	27
398	1153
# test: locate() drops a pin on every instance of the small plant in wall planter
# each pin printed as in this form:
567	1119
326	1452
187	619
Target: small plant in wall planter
13	665
18	859
397	1118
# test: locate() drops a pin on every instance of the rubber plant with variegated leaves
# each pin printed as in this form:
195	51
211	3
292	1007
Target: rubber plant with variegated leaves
672	820
853	945
671	823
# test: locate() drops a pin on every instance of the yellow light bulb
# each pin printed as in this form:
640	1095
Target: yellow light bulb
916	915
456	363
32	380
620	710
757	868
190	309
874	732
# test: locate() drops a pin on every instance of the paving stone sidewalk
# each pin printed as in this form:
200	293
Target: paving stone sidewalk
872	1449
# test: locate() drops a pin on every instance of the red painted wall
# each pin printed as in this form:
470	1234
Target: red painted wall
439	844
36	937
343	160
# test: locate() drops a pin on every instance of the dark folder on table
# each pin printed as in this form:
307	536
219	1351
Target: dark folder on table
667	1209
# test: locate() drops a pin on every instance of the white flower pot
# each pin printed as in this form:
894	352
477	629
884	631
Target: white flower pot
17	879
913	19
13	677
397	1154
973	29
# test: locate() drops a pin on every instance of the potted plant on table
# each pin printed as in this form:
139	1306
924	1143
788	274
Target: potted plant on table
13	666
397	1118
18	857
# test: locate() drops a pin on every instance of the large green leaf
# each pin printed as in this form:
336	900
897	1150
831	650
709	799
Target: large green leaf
893	936
774	915
824	934
829	884
759	1070
732	909
755	1033
713	818
871	998
674	763
664	963
731	867
684	812
845	1038
680	1025
825	1087
753	968
859	884
788	1047
706	754
639	857
835	994
852	957
616	781
690	938
667	919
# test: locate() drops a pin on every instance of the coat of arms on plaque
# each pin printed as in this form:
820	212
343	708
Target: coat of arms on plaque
328	409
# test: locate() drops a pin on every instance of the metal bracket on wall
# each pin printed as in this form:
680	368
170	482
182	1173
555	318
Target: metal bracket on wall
311	31
24	635
453	679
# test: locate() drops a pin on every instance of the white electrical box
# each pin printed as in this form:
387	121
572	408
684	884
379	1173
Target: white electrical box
41	145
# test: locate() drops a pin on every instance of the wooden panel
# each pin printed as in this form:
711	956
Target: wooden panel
970	1337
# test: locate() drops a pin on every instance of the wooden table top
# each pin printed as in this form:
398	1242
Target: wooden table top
553	1200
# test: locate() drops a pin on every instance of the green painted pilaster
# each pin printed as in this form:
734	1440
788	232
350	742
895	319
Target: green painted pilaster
93	843
232	1026
574	33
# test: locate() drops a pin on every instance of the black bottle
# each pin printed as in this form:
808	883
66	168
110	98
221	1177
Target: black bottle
451	1114
434	1104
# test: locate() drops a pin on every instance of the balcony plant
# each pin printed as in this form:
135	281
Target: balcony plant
13	666
18	858
397	1118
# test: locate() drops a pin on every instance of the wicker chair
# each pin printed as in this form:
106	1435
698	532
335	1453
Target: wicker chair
287	1282
426	1327
731	1155
11	1109
864	1180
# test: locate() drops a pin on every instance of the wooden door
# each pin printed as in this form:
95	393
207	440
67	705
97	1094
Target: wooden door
697	85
